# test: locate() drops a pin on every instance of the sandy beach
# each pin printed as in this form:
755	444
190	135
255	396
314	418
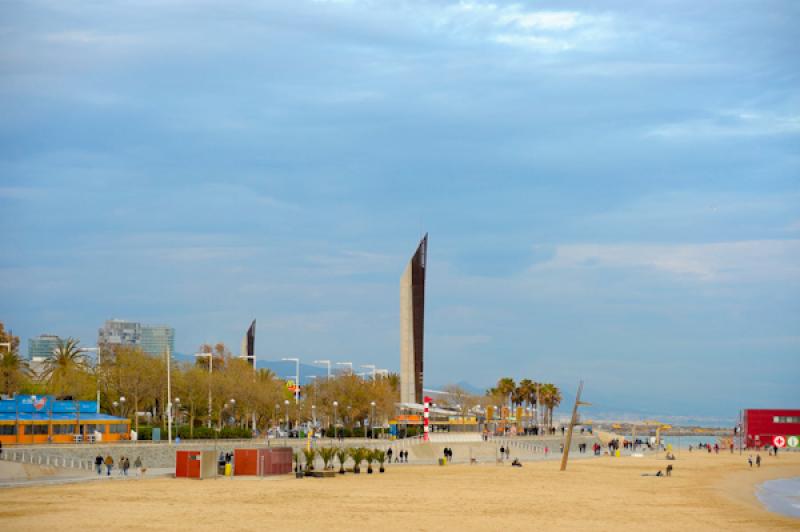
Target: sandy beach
706	492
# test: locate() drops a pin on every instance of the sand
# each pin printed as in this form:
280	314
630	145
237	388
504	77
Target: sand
706	492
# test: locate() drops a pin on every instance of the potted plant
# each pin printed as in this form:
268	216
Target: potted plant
380	457
298	473
357	454
327	454
370	456
342	455
309	456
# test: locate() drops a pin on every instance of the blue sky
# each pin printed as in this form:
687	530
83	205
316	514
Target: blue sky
612	190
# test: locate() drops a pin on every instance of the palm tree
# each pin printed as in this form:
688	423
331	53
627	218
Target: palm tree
550	396
380	457
15	371
357	454
309	456
62	367
369	455
327	454
342	455
505	388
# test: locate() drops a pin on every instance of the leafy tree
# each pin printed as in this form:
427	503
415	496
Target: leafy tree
16	372
66	371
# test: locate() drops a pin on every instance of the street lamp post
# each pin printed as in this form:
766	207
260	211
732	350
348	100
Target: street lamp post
314	416
210	371
286	402
296	377
335	420
372	421
177	402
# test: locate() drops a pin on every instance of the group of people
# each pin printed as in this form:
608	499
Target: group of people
448	454
401	458
750	460
124	465
506	451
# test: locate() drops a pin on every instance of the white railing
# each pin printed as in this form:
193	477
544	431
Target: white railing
28	457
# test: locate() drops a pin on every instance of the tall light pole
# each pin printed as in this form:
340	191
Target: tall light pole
327	363
210	371
296	377
372	420
348	364
169	396
286	402
335	426
370	366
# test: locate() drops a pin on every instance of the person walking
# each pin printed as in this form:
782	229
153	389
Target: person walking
502	452
750	461
126	464
138	465
758	460
389	454
98	463
109	465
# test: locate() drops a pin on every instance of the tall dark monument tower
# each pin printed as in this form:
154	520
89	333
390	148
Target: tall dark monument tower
412	324
249	345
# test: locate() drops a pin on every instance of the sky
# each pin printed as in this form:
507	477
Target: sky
612	189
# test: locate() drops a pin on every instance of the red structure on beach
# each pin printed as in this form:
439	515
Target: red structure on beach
761	427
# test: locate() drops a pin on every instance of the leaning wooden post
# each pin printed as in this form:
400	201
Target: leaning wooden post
572	422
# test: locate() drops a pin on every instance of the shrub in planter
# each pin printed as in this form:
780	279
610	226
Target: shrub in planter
342	455
309	456
380	457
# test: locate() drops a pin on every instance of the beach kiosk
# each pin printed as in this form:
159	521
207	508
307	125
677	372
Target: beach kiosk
262	462
195	464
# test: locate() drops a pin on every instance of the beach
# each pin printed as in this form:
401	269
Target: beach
706	492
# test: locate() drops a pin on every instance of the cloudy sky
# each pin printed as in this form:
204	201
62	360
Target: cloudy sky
612	191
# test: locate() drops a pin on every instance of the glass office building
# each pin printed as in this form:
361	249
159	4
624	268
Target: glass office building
156	339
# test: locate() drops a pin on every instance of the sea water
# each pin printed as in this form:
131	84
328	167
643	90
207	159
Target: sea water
781	496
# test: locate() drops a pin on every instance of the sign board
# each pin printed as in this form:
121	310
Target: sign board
793	441
779	441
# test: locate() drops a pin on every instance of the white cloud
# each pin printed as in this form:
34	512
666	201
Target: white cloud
730	124
716	262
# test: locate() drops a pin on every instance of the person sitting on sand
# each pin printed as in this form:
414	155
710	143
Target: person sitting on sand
516	463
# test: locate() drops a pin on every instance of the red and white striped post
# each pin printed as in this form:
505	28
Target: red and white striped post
425	417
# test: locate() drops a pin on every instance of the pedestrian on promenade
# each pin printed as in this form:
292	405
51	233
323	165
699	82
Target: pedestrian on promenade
750	461
109	465
502	452
138	465
126	464
121	470
758	460
98	464
389	454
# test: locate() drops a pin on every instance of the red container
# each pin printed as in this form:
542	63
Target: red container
245	462
187	464
761	427
275	461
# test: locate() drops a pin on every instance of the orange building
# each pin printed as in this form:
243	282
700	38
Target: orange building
28	419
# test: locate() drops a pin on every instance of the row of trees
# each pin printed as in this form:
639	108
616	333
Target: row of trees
130	381
544	395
